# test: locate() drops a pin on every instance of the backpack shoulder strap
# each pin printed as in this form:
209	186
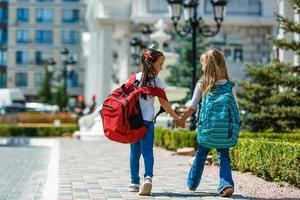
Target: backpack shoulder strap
132	79
132	82
154	92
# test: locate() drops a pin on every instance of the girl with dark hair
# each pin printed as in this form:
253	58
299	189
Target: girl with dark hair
152	61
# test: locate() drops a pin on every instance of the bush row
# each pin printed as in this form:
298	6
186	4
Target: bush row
268	155
16	131
288	137
271	160
172	139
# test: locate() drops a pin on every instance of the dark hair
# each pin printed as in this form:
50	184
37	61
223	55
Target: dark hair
148	58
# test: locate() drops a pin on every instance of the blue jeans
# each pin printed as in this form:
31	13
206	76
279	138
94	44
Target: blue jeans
196	170
144	147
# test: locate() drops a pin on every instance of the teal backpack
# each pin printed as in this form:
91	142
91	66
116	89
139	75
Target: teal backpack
219	118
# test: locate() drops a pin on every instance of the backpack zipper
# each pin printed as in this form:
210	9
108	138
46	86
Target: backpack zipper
123	109
108	107
230	122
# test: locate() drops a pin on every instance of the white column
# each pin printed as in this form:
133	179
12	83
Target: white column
124	62
286	10
98	72
139	7
122	40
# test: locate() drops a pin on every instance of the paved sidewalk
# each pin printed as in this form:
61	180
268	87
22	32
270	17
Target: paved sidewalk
23	172
100	170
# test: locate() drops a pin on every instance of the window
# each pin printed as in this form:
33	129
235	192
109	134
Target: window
41	57
21	57
230	45
75	56
44	15
3	36
22	15
44	37
22	36
238	7
70	37
157	6
3	15
3	57
3	78
74	79
238	54
70	16
21	79
38	79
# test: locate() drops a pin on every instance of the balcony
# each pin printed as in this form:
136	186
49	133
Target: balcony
238	7
157	7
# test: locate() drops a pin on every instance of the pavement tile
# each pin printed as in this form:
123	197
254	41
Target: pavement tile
100	170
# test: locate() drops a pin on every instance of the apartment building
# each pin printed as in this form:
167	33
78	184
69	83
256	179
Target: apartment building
3	42
111	25
37	31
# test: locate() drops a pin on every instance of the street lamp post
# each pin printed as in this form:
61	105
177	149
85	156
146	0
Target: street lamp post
50	64
193	25
137	45
45	92
68	63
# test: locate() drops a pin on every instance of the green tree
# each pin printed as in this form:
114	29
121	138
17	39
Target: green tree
271	99
60	98
181	71
45	95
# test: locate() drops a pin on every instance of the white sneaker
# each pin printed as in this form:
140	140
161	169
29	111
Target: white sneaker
134	187
147	187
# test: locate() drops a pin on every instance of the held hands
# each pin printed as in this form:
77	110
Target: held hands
179	123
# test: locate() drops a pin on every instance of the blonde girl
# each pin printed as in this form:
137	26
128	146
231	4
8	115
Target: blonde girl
214	86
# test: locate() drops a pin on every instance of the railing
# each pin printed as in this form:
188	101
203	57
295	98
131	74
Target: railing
157	6
238	7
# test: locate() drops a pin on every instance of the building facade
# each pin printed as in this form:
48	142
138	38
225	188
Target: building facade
243	36
38	30
3	42
286	10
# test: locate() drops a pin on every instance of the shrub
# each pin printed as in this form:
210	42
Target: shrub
271	160
174	139
288	137
272	156
16	131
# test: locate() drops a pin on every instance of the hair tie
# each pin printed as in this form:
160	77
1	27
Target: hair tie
147	55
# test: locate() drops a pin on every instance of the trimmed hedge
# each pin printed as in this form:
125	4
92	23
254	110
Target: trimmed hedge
288	137
16	131
174	139
273	161
272	156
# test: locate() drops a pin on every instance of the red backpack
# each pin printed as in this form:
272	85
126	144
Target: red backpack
121	113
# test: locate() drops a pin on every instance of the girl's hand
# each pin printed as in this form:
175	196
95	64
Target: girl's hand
180	123
176	118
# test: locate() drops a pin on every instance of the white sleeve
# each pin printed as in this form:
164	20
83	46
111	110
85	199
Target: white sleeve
160	83
196	96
